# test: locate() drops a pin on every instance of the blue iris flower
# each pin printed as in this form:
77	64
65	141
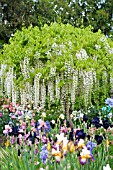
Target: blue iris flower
90	146
47	129
109	101
44	154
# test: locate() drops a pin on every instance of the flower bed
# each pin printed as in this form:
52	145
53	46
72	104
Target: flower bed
43	139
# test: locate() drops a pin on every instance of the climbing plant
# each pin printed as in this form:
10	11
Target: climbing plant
59	61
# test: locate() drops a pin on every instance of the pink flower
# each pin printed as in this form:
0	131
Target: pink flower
35	151
19	113
13	117
20	136
17	105
7	129
5	106
21	131
34	115
5	132
1	114
11	103
29	143
23	125
10	108
41	124
33	122
63	130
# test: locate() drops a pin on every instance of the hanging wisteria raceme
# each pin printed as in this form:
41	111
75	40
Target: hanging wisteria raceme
23	96
51	83
105	81
51	90
14	90
43	92
29	92
37	89
68	77
25	67
8	83
2	74
57	89
90	84
111	84
24	93
94	76
74	86
87	84
63	97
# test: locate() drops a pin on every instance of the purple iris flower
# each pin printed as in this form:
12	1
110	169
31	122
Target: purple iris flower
35	151
98	139
85	118
44	154
106	123
80	134
96	122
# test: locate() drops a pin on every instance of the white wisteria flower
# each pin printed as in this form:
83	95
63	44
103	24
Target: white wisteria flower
82	54
97	46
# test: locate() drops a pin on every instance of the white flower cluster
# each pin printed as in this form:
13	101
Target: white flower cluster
97	46
77	114
58	49
111	51
53	71
103	39
82	54
37	54
106	45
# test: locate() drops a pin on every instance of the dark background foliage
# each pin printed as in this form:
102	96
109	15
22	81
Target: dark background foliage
14	14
